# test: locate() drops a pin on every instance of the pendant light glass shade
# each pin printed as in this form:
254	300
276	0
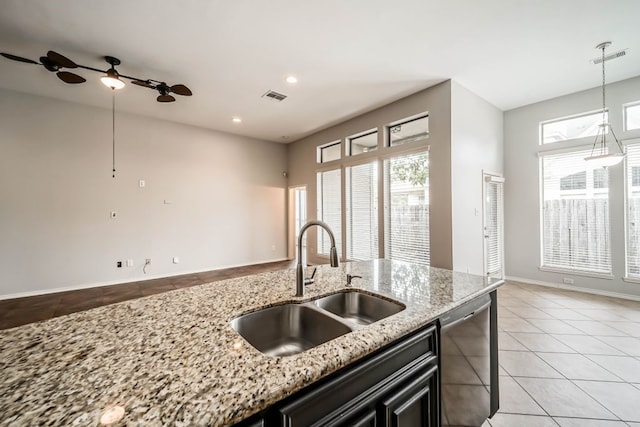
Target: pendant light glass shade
111	80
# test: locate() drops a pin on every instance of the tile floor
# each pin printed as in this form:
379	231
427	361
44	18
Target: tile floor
567	359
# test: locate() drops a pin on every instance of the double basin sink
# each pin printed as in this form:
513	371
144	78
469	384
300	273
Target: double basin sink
288	329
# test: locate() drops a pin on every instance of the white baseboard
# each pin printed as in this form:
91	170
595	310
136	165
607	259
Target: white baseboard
128	280
575	288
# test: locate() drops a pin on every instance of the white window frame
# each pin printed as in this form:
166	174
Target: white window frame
567	270
627	170
321	147
348	152
625	122
541	142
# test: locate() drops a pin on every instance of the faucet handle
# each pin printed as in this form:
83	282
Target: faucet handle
351	277
309	280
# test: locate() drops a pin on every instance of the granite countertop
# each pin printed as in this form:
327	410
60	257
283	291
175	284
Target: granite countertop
173	359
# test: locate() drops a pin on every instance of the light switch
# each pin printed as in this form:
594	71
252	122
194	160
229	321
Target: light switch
113	214
142	183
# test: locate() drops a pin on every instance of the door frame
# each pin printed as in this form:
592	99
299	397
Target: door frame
491	177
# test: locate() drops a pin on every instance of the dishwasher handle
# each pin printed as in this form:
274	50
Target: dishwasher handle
465	312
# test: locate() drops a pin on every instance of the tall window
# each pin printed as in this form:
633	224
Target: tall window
329	209
361	184
575	214
406	204
633	211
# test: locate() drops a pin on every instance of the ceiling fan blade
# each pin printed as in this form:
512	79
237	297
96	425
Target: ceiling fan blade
62	61
18	58
49	64
143	84
165	98
181	90
70	78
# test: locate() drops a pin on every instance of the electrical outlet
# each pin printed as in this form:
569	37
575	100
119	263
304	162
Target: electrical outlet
119	264
567	281
113	215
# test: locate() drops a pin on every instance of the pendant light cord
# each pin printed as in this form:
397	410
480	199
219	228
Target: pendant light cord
113	129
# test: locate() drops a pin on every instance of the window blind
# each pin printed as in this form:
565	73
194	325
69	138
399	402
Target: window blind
575	218
329	209
406	204
362	211
633	211
494	228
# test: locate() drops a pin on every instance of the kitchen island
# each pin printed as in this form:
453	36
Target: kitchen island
173	359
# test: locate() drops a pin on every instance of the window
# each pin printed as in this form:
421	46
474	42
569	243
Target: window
361	184
329	152
408	131
632	116
363	143
600	178
575	127
575	224
635	175
406	204
575	181
633	211
329	209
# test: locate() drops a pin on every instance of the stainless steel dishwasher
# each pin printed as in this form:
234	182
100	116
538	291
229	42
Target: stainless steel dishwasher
469	363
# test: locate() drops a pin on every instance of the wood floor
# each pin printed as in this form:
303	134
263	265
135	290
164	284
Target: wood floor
20	311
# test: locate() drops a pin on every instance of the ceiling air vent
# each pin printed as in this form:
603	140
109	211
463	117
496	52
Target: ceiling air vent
610	56
274	96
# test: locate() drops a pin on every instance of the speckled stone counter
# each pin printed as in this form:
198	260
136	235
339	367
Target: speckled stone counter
173	359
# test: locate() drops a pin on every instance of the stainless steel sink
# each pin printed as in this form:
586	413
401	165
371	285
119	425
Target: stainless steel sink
358	307
288	329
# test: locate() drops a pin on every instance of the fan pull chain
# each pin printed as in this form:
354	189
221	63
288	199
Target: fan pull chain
113	129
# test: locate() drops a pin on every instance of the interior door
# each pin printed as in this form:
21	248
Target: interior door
493	225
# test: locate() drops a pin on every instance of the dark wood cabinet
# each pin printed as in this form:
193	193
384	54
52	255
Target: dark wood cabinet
414	404
396	386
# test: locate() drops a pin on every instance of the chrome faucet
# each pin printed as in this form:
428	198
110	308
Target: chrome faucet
333	256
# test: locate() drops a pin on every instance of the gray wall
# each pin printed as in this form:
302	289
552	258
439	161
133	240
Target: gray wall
225	197
522	199
465	138
476	147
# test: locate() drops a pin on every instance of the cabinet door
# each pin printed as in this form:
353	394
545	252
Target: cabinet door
414	404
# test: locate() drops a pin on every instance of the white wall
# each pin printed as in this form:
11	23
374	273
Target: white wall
226	197
522	209
476	146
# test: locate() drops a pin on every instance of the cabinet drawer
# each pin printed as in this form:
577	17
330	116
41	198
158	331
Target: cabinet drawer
352	393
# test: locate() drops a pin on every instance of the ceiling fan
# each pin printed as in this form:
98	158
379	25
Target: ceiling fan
56	63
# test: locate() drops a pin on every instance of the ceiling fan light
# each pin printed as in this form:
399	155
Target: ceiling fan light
605	160
111	80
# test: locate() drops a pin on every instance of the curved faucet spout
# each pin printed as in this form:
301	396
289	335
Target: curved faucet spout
333	255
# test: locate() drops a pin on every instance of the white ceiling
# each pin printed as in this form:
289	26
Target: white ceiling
350	56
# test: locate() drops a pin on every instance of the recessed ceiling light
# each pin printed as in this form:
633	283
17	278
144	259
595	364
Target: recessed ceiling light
236	120
291	79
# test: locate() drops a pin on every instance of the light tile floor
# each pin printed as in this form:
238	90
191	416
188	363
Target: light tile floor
567	359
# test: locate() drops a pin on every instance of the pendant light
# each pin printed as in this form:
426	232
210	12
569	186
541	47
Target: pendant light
599	156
